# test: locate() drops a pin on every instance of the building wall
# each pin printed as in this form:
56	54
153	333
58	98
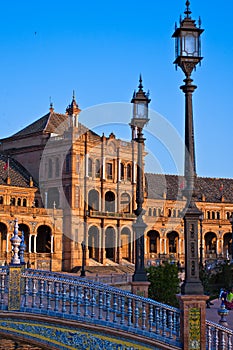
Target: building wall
88	188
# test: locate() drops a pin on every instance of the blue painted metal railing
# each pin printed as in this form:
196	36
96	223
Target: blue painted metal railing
218	337
75	298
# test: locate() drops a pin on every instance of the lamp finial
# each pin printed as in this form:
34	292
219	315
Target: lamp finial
187	11
140	86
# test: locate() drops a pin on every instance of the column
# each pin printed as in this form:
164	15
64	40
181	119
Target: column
35	238
119	170
30	243
52	240
103	169
46	199
165	245
134	171
7	242
179	250
86	164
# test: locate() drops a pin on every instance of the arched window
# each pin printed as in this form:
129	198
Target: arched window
213	215
89	167
24	202
53	197
68	162
57	167
1	199
172	241
12	201
208	215
211	243
50	169
154	212
93	242
227	246
93	200
153	237
110	201
169	214
97	168
125	243
110	243
19	202
129	172
43	242
218	215
125	203
150	212
109	171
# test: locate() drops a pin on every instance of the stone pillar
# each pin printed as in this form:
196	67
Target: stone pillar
193	321
140	288
30	243
14	290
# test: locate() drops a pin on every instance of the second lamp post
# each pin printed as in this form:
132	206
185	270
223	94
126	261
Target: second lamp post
140	118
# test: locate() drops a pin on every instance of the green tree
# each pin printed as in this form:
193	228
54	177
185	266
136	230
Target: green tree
215	278
164	283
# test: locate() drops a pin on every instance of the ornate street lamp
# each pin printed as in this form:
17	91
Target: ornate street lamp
188	55
83	273
140	118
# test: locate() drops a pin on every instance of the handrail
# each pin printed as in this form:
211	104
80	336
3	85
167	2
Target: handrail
73	297
218	337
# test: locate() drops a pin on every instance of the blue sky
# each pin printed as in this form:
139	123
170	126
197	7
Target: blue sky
98	49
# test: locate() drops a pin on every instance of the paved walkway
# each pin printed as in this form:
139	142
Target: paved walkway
212	313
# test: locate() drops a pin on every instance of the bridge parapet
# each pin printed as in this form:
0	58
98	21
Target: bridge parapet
74	298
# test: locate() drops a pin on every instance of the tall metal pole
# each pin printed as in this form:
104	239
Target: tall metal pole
83	273
140	118
139	226
192	284
201	241
188	55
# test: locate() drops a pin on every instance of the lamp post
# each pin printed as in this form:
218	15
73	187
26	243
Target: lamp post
201	218
83	273
140	118
188	55
231	221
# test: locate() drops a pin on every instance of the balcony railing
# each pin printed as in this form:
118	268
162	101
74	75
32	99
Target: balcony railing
14	209
106	214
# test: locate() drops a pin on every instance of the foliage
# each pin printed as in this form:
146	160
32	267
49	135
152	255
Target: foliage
217	277
164	283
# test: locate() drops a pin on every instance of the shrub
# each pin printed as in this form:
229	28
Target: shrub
164	283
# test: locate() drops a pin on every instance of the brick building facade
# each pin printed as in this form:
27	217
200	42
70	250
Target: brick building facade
66	185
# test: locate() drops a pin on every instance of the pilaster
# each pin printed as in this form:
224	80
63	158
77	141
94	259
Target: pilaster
193	321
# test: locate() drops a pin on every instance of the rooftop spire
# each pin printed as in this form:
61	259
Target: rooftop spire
187	12
51	109
140	86
73	108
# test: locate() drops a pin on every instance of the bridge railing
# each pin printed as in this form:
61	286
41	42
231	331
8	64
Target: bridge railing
113	278
218	337
77	298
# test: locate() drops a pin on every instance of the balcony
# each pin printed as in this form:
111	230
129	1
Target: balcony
114	215
16	210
